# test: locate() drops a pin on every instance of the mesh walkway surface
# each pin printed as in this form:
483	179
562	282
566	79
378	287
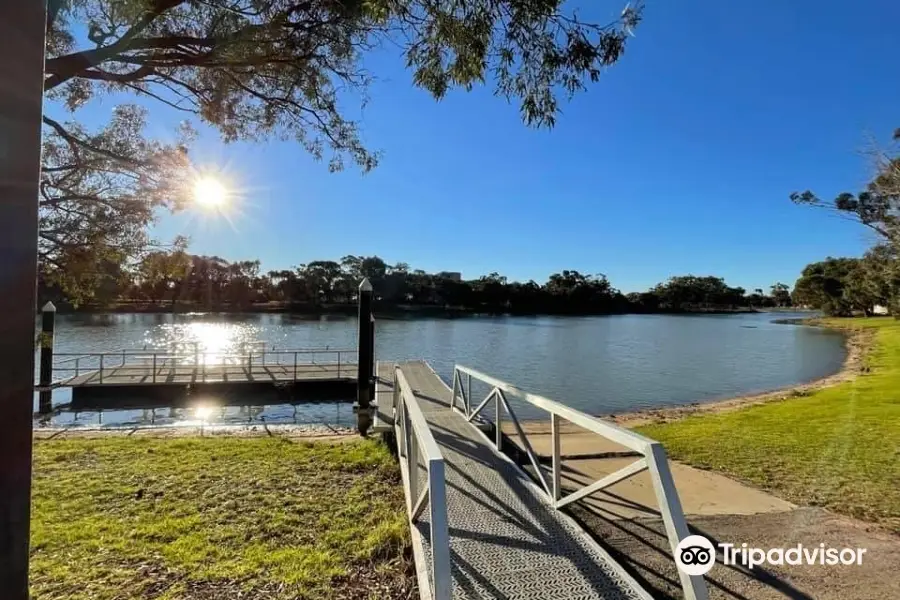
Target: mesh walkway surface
506	541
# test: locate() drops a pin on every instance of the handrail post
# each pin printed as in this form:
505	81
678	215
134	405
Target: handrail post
498	418
404	431
77	362
101	368
441	576
453	392
399	419
154	367
412	460
295	366
468	393
694	587
339	363
557	467
395	395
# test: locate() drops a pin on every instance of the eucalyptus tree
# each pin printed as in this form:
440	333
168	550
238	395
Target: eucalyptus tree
260	69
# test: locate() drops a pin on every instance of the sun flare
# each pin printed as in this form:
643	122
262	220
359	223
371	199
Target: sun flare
210	193
203	412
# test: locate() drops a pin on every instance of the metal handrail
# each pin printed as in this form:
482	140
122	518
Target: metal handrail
256	346
124	361
414	436
137	352
653	456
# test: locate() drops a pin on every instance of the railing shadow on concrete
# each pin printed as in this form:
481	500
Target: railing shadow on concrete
652	455
414	437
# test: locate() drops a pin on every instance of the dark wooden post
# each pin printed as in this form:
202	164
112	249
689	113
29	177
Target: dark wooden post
364	348
48	323
372	357
22	26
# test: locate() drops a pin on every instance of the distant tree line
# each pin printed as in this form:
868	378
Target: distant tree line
178	280
847	286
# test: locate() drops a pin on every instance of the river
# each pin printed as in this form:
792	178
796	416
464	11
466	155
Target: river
600	365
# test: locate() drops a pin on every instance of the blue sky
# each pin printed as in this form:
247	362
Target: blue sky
680	160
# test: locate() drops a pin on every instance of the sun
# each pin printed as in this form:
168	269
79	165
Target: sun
210	193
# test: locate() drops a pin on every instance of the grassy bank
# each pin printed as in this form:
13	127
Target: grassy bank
837	447
202	518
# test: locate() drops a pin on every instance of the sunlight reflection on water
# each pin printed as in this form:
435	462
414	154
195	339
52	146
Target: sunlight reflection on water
213	342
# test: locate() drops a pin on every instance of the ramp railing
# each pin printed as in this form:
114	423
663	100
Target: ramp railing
653	455
414	438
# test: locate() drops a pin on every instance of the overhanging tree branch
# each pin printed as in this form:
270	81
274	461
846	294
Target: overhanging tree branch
73	140
66	67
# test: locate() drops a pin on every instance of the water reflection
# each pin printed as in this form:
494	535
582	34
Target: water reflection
327	414
210	342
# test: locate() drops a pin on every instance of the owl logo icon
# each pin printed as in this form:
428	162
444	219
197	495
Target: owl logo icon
695	555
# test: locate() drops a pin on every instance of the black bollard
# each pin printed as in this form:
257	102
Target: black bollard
48	323
364	351
372	374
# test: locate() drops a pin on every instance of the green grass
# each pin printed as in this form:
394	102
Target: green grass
837	447
203	518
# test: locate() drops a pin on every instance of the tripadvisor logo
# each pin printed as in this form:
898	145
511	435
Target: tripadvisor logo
696	555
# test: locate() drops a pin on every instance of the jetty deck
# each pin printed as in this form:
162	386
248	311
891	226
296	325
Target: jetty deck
129	378
506	538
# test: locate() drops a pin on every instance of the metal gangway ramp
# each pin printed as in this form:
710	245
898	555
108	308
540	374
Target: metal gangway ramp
490	531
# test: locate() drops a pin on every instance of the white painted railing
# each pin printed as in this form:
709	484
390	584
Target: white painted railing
653	456
161	363
414	437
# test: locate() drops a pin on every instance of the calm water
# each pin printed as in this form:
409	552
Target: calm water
600	365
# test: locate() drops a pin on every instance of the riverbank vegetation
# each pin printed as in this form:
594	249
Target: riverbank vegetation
135	518
847	286
176	280
844	286
836	447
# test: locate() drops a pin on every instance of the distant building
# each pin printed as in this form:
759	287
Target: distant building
451	275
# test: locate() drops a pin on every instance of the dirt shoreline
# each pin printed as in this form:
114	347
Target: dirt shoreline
858	343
